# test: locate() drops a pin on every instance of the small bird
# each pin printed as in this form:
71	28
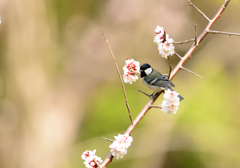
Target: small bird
155	80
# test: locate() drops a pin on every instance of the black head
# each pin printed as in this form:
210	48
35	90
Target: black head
145	70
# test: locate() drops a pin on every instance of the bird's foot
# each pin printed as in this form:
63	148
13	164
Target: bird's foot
153	94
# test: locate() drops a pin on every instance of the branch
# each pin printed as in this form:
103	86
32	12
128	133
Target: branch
178	55
170	67
108	139
199	39
156	106
192	72
195	34
191	4
185	41
174	72
120	77
221	32
132	126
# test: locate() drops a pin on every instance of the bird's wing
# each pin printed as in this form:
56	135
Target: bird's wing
161	81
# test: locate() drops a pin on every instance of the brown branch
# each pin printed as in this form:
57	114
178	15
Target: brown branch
174	72
221	32
132	126
182	42
156	106
192	72
187	41
191	4
199	39
170	67
120	77
195	34
178	55
108	139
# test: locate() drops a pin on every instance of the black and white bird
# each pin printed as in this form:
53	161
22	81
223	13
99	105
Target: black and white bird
155	80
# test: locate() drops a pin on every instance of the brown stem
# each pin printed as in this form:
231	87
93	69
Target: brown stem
170	67
178	55
185	41
199	39
192	72
195	34
108	139
120	77
156	106
221	32
191	4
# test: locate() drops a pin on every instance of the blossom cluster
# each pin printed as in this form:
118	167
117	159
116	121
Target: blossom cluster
120	145
165	44
91	160
171	102
130	70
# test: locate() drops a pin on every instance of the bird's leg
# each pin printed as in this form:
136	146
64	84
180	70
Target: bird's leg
146	93
160	92
153	94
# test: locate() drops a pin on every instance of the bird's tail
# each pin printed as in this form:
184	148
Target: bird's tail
180	97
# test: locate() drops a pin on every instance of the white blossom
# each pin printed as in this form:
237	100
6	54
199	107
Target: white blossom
171	102
171	96
166	48
159	36
129	78
130	70
91	160
165	44
159	30
120	145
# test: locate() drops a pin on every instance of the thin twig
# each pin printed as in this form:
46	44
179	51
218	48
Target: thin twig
178	55
156	106
170	67
144	93
191	4
120	77
196	34
192	72
221	32
182	42
108	139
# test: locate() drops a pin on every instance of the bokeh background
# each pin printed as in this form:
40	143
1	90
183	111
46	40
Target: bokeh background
60	92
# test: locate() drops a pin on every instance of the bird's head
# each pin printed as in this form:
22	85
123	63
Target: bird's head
145	70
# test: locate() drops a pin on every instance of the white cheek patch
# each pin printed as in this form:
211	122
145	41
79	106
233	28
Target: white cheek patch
148	71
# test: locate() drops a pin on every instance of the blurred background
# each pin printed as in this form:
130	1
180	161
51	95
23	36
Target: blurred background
60	92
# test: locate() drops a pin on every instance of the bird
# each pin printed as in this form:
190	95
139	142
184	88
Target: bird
154	80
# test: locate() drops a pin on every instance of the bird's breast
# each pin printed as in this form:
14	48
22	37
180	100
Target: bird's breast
152	87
